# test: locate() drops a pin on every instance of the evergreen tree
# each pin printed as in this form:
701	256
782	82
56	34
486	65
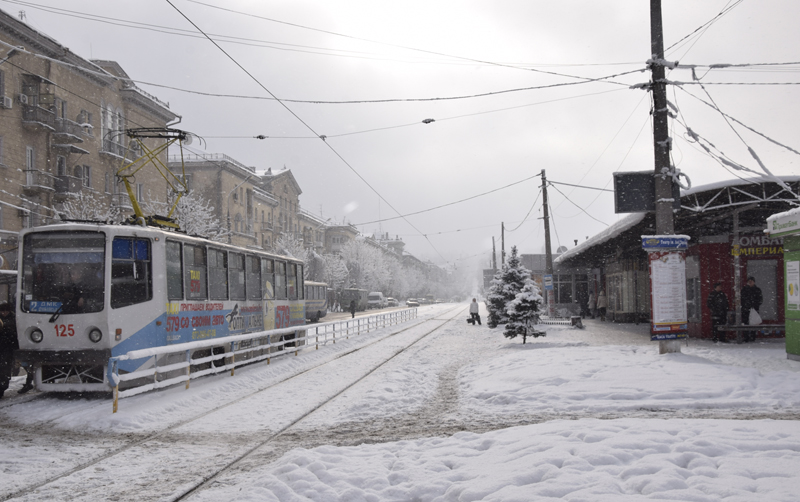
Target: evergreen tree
522	311
505	286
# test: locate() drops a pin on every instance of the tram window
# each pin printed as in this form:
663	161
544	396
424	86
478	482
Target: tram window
194	273
217	274
174	274
236	275
131	273
292	281
253	278
300	284
267	275
280	280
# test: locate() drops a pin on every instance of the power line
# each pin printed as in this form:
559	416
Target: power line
449	203
579	186
302	122
529	212
707	23
574	204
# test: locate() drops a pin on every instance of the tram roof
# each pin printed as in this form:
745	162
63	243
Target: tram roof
149	231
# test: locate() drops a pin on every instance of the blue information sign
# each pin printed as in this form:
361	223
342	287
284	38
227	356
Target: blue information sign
665	242
548	282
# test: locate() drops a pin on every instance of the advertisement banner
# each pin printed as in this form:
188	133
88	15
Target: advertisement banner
668	295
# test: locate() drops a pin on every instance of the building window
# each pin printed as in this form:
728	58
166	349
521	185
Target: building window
2	83
107	185
79	173
140	192
30	158
562	288
87	176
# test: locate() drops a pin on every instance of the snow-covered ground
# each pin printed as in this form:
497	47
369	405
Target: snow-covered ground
465	414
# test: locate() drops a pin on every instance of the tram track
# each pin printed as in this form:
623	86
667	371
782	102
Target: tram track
166	431
281	432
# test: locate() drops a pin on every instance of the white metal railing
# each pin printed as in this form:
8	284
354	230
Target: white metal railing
242	349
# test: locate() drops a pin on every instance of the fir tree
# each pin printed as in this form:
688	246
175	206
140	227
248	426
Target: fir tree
522	311
505	286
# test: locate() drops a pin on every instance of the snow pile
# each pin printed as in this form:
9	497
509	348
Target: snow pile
595	460
548	377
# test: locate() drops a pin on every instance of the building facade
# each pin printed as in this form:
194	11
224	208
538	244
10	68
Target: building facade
62	131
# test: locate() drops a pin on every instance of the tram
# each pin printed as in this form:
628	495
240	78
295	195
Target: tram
88	292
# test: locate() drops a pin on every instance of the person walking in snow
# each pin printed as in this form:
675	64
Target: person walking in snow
602	304
718	305
473	312
752	298
353	308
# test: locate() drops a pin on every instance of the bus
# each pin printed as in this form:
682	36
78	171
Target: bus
316	300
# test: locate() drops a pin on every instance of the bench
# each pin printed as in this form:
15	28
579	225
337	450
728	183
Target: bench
766	329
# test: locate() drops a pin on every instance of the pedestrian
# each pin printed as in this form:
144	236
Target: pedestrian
718	305
473	312
353	308
592	304
602	304
8	344
751	299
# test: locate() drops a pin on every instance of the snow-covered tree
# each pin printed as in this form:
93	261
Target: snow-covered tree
194	215
85	206
522	311
335	271
506	284
289	245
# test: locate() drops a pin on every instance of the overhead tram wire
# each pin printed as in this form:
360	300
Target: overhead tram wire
305	124
449	203
425	51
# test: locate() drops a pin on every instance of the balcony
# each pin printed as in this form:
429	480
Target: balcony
117	150
37	182
266	226
121	201
66	186
68	131
36	117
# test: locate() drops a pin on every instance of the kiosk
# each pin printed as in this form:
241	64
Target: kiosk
787	225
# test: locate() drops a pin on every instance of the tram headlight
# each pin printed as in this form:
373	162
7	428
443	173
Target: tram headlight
36	335
95	335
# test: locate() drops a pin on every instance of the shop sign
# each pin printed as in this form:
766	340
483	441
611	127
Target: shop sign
757	245
784	223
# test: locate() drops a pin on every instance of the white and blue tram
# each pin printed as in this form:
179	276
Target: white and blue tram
316	300
87	292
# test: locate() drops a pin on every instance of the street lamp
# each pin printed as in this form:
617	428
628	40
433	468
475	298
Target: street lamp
228	202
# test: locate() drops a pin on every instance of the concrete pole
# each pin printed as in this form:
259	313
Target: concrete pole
661	141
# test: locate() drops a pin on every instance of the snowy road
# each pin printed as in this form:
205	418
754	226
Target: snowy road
462	415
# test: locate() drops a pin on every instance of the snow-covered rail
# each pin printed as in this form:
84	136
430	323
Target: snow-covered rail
180	367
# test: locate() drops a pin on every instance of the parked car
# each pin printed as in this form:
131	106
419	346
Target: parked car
392	302
411	302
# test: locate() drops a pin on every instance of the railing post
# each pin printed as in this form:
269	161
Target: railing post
316	331
233	358
116	386
188	368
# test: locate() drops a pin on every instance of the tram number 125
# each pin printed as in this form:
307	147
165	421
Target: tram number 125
64	330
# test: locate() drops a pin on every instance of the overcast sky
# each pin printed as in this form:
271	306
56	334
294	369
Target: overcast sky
376	50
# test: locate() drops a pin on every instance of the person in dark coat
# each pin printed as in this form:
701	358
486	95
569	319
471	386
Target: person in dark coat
718	305
751	299
8	344
353	308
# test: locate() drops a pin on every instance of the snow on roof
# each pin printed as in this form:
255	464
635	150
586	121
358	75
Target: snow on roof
606	235
736	182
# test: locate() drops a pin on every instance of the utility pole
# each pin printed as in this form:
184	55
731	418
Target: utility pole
661	141
494	256
502	244
548	253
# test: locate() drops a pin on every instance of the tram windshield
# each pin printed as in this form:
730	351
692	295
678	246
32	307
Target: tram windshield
63	272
